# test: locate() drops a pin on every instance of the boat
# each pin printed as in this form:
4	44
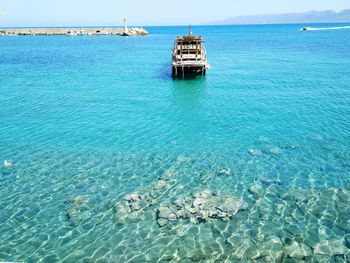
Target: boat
189	56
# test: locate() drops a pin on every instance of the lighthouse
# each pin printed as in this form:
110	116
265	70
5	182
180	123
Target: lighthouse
125	26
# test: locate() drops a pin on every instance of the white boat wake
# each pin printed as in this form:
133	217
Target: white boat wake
324	28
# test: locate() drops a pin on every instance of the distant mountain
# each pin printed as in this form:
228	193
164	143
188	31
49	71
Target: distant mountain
328	16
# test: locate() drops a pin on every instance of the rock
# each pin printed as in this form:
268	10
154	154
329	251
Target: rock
194	220
263	139
203	214
270	182
207	176
121	210
213	212
164	212
257	191
297	250
205	194
317	137
180	214
179	202
127	198
234	205
192	210
224	172
168	174
132	197
135	197
244	248
161	184
347	241
73	212
135	32
162	222
80	202
148	198
136	206
275	150
184	159
272	249
172	217
294	146
199	202
136	216
153	194
222	214
8	164
323	258
254	152
344	195
331	247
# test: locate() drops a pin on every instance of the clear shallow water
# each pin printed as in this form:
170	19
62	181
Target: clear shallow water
90	120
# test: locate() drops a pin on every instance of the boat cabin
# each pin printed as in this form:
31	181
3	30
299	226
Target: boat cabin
189	56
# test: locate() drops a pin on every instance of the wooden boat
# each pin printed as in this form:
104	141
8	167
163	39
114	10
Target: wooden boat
189	56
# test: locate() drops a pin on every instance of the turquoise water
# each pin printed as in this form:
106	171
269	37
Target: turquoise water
88	121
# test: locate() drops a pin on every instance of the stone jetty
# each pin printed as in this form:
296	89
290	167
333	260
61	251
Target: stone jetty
74	31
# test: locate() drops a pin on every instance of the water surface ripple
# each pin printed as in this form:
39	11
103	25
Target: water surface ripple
117	162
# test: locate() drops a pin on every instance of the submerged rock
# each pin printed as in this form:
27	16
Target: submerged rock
257	191
243	248
162	222
272	249
73	212
275	150
161	184
8	164
164	212
297	250
331	247
224	171
254	152
172	217
270	181
79	202
133	197
168	175
201	206
122	210
206	176
203	194
263	139
184	159
78	209
180	214
292	146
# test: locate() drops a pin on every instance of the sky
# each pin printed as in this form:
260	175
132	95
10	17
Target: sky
147	12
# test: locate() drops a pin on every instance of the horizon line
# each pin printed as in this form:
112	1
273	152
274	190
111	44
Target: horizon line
193	25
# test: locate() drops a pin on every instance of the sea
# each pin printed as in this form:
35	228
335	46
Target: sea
113	160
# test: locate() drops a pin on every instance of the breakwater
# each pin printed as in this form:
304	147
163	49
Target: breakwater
73	31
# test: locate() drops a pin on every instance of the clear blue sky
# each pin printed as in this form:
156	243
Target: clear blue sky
147	12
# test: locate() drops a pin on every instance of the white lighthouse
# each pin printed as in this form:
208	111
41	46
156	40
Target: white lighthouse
125	26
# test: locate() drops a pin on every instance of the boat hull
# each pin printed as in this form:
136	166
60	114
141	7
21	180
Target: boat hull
183	71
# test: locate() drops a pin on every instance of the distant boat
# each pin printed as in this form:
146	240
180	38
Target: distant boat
324	28
189	56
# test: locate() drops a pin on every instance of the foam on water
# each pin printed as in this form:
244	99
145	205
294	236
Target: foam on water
116	162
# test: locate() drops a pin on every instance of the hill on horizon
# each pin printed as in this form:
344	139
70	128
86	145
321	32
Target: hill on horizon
328	16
